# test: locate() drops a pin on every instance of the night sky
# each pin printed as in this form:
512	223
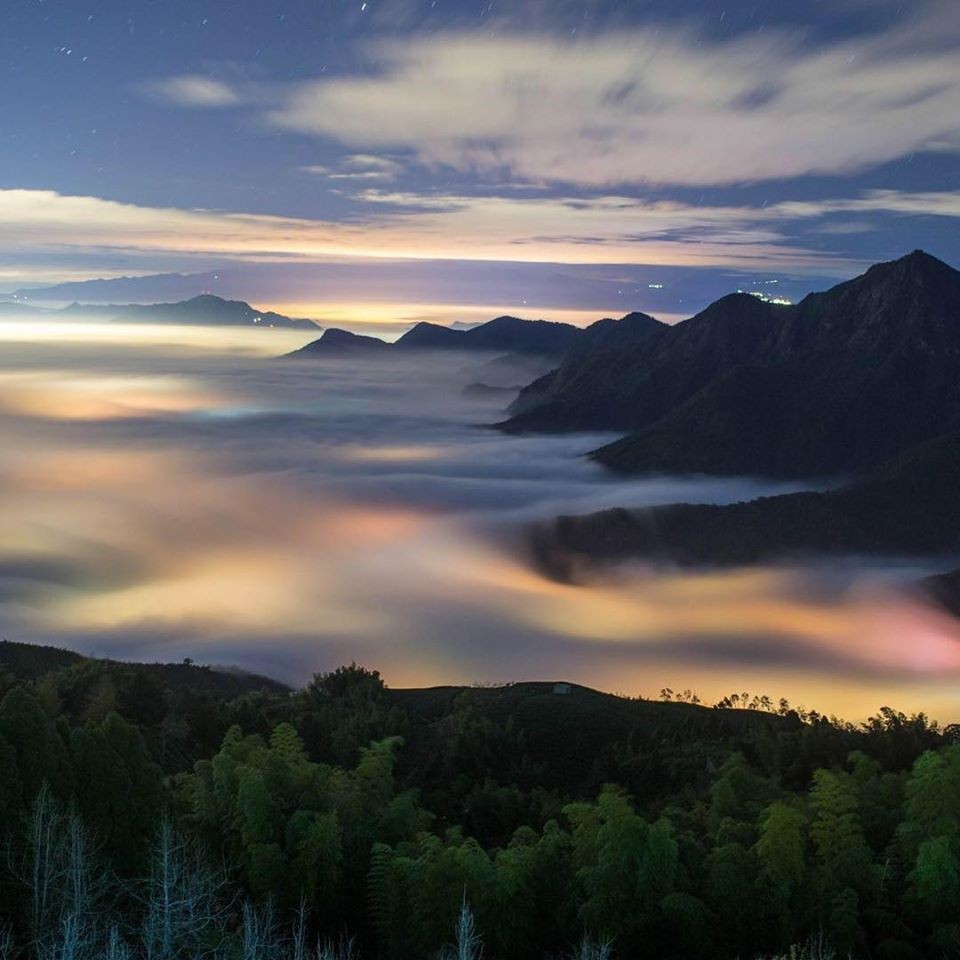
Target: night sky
561	159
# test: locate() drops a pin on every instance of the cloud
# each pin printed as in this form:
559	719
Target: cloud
930	203
358	166
399	225
243	524
402	225
194	90
651	106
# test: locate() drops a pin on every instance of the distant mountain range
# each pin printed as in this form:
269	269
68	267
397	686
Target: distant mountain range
840	382
502	335
861	382
203	310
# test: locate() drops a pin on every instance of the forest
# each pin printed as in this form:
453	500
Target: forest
174	812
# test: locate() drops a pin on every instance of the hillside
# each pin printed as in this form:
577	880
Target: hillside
361	812
577	393
908	506
27	661
840	382
571	735
624	381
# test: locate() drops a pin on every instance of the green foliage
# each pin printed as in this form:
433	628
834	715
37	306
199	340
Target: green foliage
655	831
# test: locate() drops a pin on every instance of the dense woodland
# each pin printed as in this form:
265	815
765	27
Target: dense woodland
176	812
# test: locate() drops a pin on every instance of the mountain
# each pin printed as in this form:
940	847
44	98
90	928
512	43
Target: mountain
507	335
430	336
576	394
337	342
837	383
203	310
27	661
142	289
513	335
624	380
908	506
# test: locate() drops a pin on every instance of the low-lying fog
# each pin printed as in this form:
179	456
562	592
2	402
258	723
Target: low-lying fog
171	493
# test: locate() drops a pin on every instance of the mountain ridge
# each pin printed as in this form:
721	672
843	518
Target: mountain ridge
205	309
855	374
502	334
908	506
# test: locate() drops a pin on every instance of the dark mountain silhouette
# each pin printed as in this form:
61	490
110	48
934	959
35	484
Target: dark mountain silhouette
585	366
430	336
513	335
27	661
621	382
840	382
203	310
909	506
337	342
508	335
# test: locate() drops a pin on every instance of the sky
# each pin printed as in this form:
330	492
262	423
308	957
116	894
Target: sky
391	160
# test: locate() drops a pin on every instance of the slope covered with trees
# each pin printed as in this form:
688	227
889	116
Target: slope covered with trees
536	820
909	506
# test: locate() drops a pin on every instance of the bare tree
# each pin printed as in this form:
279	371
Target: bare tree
590	949
116	948
341	949
468	944
66	888
183	899
261	940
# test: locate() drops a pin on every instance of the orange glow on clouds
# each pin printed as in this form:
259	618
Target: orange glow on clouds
175	539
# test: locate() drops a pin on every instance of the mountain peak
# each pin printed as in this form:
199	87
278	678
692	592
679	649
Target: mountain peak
428	335
914	265
505	321
334	340
207	298
637	316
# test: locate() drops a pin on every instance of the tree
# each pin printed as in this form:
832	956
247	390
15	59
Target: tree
781	855
629	866
40	754
184	900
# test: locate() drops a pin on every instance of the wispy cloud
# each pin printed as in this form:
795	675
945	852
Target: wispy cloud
662	106
396	224
604	230
358	166
195	90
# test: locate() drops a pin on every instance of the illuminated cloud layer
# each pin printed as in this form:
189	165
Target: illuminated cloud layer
162	501
604	229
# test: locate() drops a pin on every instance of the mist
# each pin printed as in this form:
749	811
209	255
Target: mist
170	493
